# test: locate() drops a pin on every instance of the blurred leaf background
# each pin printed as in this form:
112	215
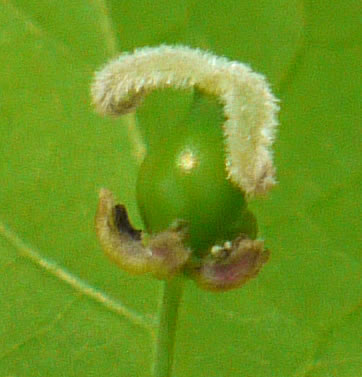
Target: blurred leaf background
301	316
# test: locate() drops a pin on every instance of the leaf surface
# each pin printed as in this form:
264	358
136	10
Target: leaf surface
64	309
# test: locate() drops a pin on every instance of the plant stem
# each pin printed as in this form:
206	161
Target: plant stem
167	327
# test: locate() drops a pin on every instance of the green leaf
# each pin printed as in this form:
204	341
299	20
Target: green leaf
64	309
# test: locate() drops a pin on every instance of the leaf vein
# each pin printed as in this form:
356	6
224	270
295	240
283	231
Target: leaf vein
38	31
107	27
41	331
76	283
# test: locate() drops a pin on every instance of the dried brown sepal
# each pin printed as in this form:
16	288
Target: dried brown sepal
169	254
232	266
162	255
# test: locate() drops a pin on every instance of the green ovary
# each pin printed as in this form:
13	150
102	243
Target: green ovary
185	179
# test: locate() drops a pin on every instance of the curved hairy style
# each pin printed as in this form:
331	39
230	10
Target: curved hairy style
249	106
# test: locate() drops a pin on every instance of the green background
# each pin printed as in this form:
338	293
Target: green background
301	316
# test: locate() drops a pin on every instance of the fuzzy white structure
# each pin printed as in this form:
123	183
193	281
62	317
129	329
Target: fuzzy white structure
250	108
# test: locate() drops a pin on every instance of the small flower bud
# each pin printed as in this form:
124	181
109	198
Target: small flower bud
212	163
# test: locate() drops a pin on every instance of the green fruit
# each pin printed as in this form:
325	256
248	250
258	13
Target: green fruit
183	177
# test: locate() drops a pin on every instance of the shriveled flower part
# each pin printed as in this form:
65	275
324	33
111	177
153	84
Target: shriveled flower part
250	108
232	265
163	255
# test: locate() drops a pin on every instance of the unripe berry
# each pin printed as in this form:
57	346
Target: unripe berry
185	179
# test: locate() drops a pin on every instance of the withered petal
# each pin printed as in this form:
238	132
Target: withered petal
162	254
240	263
